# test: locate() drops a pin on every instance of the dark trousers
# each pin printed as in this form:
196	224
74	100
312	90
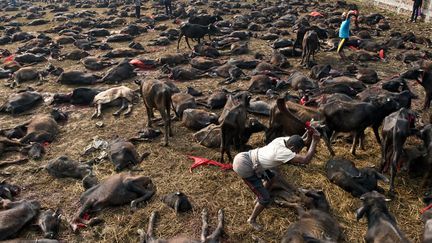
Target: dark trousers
416	8
168	9
137	12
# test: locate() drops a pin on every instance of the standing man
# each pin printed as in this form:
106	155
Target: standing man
138	9
168	7
417	4
255	166
344	32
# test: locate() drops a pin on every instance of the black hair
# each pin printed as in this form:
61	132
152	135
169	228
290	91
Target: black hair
295	141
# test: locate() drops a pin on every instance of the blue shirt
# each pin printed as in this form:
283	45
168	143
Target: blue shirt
344	29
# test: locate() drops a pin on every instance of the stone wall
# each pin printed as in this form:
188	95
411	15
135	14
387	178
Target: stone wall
404	6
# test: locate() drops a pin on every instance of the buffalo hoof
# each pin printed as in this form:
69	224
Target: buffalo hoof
134	206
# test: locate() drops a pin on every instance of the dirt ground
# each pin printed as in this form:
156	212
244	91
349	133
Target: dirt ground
207	187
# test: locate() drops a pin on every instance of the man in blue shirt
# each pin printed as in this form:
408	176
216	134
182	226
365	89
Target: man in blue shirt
344	32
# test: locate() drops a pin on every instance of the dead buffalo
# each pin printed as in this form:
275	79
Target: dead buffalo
216	100
133	190
315	224
426	217
111	96
174	59
63	167
259	107
121	52
197	119
124	155
49	222
79	96
344	174
177	201
74	55
382	225
95	64
181	102
299	81
8	191
119	38
15	215
77	78
41	128
21	102
148	237
28	58
261	83
26	74
124	70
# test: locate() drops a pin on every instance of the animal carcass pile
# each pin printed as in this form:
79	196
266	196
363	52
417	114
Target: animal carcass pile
317	113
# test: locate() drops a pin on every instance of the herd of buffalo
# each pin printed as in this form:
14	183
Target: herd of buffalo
289	86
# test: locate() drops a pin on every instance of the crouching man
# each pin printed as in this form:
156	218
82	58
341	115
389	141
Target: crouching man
254	166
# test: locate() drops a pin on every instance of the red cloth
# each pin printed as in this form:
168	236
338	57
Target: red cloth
353	48
198	161
9	59
141	65
423	210
316	14
381	54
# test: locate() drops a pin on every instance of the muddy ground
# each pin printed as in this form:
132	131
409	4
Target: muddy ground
207	187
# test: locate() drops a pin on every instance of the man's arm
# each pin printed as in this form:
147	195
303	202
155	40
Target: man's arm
305	159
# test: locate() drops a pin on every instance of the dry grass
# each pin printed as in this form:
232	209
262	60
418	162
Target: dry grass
206	187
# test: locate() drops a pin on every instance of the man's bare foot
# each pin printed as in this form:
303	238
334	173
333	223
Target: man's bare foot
255	225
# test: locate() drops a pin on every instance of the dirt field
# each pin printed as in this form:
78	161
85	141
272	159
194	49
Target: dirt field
207	187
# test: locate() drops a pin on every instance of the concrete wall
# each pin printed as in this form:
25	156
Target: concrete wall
404	6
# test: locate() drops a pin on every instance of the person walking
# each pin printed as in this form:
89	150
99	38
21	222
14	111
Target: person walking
138	9
417	4
255	166
168	7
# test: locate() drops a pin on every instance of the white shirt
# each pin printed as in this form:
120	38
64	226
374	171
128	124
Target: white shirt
273	154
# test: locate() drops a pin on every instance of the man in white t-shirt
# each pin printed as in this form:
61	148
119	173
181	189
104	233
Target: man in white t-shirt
255	166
